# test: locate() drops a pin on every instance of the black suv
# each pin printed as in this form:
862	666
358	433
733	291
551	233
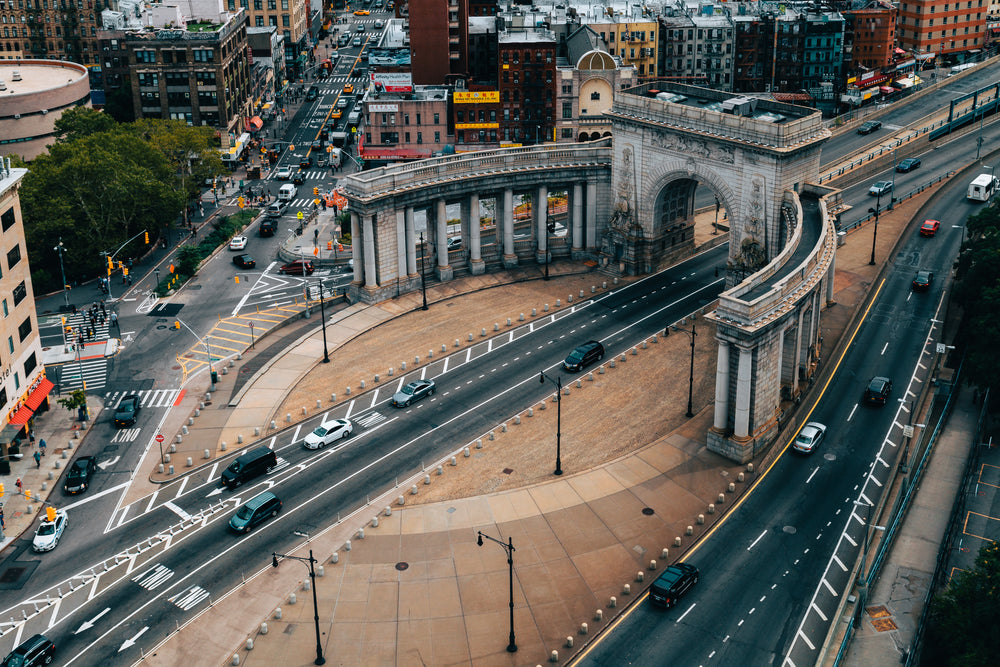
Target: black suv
878	390
670	586
37	650
78	477
127	411
583	356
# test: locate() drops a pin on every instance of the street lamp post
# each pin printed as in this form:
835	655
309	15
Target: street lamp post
60	249
878	202
320	660
542	377
693	334
509	548
862	580
322	318
423	273
208	351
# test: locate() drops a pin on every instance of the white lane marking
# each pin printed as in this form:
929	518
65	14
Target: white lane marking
806	640
180	489
819	612
152	499
812	475
86	625
681	617
153	577
177	510
828	587
105	492
754	543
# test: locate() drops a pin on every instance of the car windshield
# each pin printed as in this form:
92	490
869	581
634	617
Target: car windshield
805	438
47	529
576	355
320	431
244	512
409	389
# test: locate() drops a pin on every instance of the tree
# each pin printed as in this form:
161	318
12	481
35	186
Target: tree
77	400
977	291
964	621
81	122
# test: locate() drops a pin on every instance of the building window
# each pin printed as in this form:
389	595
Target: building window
437	119
13	256
567	110
20	292
595	96
24	330
8	219
30	364
420	137
285	21
406	120
5	312
10	344
437	137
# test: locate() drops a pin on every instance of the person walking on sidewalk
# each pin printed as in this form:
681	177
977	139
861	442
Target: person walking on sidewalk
41	446
38	459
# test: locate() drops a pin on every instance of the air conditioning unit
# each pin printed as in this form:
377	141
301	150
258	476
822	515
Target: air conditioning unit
15	75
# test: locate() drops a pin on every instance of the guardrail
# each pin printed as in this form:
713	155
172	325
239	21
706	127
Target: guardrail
858	224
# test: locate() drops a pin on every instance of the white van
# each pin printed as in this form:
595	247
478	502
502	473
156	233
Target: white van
287	192
982	187
335	157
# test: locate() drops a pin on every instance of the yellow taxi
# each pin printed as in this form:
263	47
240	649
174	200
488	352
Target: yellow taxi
361	12
337	113
349	88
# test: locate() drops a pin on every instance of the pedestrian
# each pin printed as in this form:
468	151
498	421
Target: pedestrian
41	446
31	437
201	210
114	318
20	487
3	524
130	280
38	459
103	310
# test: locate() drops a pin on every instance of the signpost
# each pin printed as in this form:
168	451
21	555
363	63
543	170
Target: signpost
159	441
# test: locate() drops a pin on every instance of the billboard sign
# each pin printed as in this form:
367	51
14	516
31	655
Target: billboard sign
393	82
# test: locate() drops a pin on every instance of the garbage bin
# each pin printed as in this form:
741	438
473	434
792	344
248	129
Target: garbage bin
215	377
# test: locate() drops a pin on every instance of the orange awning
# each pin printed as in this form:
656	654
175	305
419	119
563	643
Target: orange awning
39	394
22	416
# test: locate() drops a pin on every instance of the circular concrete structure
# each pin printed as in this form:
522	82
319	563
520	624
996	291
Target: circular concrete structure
33	94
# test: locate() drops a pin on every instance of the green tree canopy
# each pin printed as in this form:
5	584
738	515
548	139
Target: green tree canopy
81	122
977	290
964	622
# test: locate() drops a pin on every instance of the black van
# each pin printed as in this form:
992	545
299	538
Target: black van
583	356
244	468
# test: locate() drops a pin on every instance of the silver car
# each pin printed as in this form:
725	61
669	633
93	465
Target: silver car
413	392
48	533
880	188
328	432
809	438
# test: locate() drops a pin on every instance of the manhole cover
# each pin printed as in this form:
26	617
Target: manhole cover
11	574
790	530
648	511
830	457
402	566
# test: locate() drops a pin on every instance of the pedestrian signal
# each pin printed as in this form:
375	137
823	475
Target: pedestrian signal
50	513
145	236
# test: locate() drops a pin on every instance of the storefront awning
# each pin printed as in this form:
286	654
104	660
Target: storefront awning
22	416
255	123
38	395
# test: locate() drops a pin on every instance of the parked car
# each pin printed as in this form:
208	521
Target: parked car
48	533
673	584
930	227
244	261
414	391
880	188
878	390
80	472
127	411
809	438
283	174
328	432
909	164
299	267
584	355
255	512
37	650
922	281
869	126
238	243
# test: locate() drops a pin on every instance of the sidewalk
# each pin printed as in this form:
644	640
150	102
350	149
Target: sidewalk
409	583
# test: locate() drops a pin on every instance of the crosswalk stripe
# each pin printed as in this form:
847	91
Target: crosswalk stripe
371	419
190	597
92	371
153	577
148	398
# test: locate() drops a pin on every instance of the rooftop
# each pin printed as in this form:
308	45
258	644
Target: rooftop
38	75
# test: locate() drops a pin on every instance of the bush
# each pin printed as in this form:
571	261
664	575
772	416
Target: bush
189	255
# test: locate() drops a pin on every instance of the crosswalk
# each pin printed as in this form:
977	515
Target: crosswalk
189	597
148	398
72	375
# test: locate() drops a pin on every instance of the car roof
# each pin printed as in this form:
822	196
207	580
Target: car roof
260	499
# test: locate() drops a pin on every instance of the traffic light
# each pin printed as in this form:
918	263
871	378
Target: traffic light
111	264
27	495
50	513
121	265
316	191
124	270
1	489
145	235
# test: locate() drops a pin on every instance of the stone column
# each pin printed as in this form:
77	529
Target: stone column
722	388
441	224
509	258
541	218
400	246
577	202
591	216
356	247
411	243
741	429
797	355
477	265
368	237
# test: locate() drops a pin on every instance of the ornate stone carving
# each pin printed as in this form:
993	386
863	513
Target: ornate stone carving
692	146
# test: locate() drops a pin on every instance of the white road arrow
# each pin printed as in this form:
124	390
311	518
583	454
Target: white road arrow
131	642
87	625
105	464
214	493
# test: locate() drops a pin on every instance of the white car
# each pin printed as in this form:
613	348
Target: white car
283	174
328	432
48	533
880	188
809	438
238	243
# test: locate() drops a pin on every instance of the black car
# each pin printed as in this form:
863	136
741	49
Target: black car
312	94
78	477
413	392
586	354
244	261
299	178
922	281
127	411
675	581
869	126
878	390
909	164
37	650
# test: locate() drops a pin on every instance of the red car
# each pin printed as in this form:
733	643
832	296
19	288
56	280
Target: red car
929	228
300	267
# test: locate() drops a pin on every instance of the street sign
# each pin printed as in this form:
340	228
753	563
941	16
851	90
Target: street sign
299	215
159	437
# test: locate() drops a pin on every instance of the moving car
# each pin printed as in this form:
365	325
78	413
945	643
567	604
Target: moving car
255	462
869	126
305	162
238	243
583	356
337	113
878	390
274	210
922	281
361	12
454	243
809	438
127	411
283	174
244	261
255	511
880	188
930	227
673	584
343	101
909	164
379	23
267	227
413	392
37	650
356	42
78	477
312	93
328	432
299	178
48	533
359	28
299	267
